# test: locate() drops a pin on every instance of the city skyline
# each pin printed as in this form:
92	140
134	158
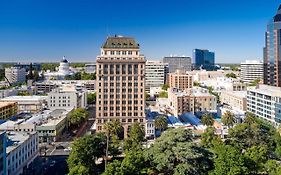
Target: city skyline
45	31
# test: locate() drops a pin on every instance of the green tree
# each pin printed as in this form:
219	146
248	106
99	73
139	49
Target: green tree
257	156
30	74
165	87
272	167
176	153
254	82
161	123
79	170
85	151
231	75
228	160
36	75
209	139
163	94
207	119
91	98
228	118
135	137
112	130
78	116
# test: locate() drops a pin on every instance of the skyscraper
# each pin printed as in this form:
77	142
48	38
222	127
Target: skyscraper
272	54
120	83
203	59
154	74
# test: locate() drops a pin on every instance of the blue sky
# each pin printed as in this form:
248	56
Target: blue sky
45	30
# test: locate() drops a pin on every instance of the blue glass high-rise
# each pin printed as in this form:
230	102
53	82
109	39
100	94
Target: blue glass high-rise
203	59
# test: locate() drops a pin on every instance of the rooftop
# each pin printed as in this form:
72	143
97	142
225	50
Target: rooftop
16	138
120	42
242	94
24	98
267	90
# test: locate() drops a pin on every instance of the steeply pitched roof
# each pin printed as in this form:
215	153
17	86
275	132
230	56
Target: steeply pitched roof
120	42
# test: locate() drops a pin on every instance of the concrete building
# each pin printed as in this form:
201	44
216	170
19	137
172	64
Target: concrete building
8	92
203	75
178	63
203	59
180	80
31	104
15	75
225	84
191	100
67	96
235	99
251	70
44	87
272	55
265	102
120	83
154	74
90	68
7	110
26	66
21	149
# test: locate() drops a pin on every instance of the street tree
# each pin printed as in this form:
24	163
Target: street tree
135	137
78	116
85	151
174	152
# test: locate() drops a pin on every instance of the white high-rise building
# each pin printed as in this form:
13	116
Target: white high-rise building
15	75
265	102
251	70
154	74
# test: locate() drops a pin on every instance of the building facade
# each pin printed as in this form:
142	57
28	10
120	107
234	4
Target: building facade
178	63
15	75
272	54
265	102
22	148
251	70
235	99
203	59
120	83
90	68
192	100
66	97
8	109
154	74
180	80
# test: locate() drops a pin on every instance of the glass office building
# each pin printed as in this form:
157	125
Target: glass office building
272	51
203	59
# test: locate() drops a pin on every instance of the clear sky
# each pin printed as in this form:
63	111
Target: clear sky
46	30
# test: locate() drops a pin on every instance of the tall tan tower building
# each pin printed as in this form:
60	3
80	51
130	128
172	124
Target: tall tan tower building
120	83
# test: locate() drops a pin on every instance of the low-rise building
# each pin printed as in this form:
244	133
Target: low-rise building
8	92
44	87
180	80
225	84
235	99
265	102
90	68
15	75
31	104
50	124
21	149
191	100
7	109
66	97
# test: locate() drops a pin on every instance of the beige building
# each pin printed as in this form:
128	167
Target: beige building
235	99
180	80
31	104
191	100
120	83
7	109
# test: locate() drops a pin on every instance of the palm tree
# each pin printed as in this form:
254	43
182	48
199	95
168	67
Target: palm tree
250	118
161	122
228	118
207	119
113	127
